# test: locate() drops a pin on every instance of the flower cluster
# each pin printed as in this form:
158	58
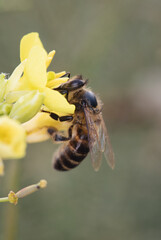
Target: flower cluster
23	96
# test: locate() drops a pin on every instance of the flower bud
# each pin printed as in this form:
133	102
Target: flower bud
5	108
13	96
27	106
2	86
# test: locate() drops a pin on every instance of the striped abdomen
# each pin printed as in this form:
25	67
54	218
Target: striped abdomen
73	152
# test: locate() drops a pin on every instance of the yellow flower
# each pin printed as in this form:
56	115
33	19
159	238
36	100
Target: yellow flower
12	139
36	128
35	61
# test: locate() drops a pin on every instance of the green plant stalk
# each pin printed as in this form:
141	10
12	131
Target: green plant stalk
4	199
11	213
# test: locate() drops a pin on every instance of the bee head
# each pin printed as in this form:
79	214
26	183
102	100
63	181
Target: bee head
89	100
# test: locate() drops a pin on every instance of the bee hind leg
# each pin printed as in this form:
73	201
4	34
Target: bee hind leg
58	136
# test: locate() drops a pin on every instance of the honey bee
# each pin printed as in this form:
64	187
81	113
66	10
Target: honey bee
87	132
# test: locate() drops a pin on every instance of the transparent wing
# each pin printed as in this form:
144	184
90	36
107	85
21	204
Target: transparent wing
93	140
99	141
106	144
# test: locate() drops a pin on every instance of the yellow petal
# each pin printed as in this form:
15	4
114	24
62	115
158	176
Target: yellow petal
60	74
50	75
49	58
12	139
36	128
14	79
35	70
56	82
23	84
27	42
39	135
56	103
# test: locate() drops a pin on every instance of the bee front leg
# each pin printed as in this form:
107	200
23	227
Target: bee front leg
66	75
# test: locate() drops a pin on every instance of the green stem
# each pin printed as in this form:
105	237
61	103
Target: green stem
11	216
4	199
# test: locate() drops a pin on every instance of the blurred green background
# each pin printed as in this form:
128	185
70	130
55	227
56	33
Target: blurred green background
116	44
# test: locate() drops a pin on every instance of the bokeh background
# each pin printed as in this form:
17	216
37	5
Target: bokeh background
116	44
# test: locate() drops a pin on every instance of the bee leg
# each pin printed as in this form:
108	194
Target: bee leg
66	118
58	137
66	75
61	119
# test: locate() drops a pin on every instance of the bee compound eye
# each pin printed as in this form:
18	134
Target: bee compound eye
90	99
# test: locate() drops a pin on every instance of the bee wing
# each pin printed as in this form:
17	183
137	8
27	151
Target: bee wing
93	141
106	144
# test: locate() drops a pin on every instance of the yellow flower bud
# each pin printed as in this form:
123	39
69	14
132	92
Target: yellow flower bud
27	106
2	86
5	108
12	139
13	96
